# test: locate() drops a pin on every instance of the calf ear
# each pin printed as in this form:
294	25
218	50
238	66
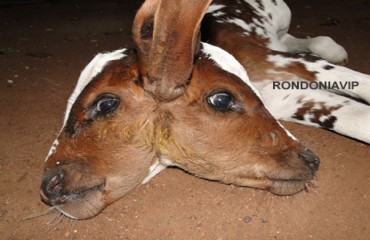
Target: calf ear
166	33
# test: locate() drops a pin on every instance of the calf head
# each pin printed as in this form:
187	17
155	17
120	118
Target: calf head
222	131
106	145
189	105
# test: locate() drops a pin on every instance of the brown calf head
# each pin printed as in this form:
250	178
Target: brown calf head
105	148
118	132
222	131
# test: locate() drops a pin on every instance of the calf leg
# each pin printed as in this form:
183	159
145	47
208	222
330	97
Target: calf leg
324	47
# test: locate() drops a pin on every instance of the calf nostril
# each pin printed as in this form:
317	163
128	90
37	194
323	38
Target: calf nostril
51	189
55	184
310	158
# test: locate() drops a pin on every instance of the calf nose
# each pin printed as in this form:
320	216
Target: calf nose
51	189
310	158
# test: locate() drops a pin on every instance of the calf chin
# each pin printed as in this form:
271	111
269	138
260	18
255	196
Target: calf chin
87	207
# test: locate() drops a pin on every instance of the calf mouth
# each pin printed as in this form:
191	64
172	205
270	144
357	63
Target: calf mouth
275	185
82	204
79	203
278	185
281	187
289	187
82	193
298	177
71	195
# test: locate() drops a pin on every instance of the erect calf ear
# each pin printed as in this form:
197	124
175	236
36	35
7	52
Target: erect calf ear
166	33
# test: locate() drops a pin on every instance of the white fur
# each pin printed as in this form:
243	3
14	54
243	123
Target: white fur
228	63
53	148
240	23
337	74
214	8
323	46
65	213
352	118
272	23
343	74
278	26
264	28
156	168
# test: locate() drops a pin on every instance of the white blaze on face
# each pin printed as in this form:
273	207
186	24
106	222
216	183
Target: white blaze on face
53	148
87	75
214	8
229	64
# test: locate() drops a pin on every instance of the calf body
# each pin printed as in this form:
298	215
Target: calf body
132	114
255	32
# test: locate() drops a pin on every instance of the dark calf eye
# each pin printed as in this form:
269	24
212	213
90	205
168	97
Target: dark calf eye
224	102
221	101
105	104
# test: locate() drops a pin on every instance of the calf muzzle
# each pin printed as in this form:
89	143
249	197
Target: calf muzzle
52	185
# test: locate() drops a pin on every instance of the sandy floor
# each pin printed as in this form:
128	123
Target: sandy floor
43	49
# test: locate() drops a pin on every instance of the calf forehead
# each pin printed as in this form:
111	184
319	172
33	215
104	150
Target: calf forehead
228	63
95	67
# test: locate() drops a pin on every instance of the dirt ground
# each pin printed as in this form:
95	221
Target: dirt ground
43	48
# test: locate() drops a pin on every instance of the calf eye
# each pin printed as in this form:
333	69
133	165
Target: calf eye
224	101
106	103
